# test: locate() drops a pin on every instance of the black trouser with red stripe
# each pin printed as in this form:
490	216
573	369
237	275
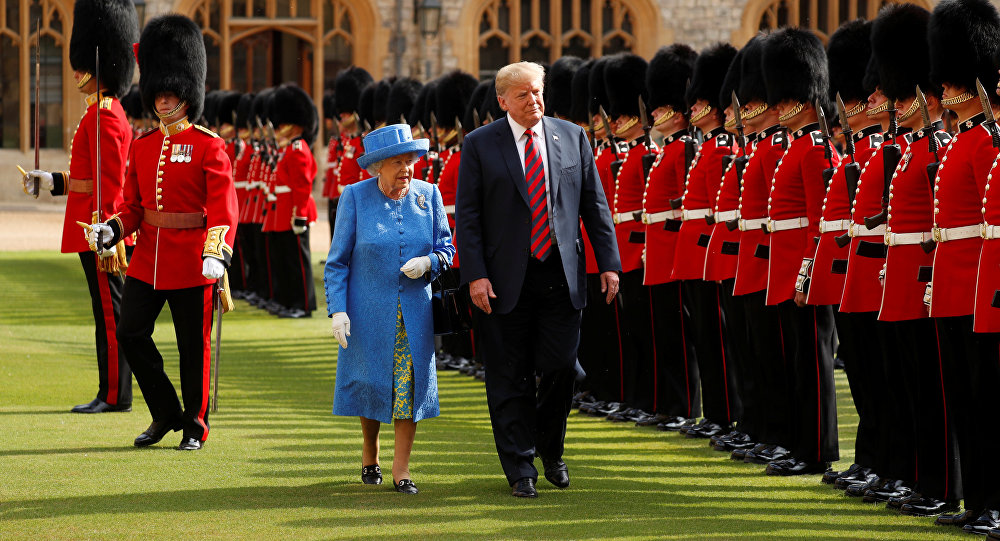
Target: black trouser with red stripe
719	397
814	399
238	266
291	270
331	212
860	348
114	376
258	272
895	401
600	353
191	311
678	385
774	389
639	368
741	365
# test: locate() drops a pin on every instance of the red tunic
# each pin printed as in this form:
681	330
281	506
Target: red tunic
201	181
751	264
700	190
629	187
911	211
330	177
293	187
603	160
116	137
241	179
665	182
448	186
797	191
724	246
830	264
348	171
988	281
961	187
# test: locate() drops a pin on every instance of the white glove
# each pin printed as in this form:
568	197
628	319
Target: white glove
341	327
108	252
212	268
100	234
299	225
44	181
416	267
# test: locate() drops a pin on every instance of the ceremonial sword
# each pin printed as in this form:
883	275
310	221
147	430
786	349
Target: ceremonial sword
932	146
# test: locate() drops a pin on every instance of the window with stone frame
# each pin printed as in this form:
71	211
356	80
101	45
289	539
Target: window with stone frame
821	16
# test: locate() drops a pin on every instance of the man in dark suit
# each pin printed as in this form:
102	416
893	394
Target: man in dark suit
524	185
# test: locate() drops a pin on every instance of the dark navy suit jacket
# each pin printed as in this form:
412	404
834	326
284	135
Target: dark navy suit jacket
493	220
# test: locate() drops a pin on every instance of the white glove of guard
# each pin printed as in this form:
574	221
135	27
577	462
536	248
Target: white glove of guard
44	181
212	268
299	225
416	267
100	234
341	327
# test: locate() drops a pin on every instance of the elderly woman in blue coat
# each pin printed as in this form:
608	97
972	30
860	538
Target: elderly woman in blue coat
391	239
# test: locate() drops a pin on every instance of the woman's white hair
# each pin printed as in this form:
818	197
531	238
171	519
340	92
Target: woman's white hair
518	73
374	168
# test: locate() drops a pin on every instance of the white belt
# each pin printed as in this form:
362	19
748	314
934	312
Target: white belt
858	230
989	232
621	217
282	189
272	197
903	239
241	184
695	214
834	225
785	225
753	224
727	215
944	234
331	165
450	209
657	217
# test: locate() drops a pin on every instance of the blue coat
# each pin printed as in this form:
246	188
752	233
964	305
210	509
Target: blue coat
373	237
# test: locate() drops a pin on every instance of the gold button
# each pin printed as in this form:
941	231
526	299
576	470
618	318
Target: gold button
159	207
159	190
159	180
158	197
159	173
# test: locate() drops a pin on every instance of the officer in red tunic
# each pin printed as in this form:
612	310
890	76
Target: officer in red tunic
179	196
112	26
677	385
347	93
963	37
719	397
795	71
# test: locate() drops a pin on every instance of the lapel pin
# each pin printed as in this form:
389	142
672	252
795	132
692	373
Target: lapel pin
422	201
555	137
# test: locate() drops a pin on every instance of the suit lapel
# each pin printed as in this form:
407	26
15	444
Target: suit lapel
553	148
508	151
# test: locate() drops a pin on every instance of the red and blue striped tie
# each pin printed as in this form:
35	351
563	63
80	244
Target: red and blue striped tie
534	175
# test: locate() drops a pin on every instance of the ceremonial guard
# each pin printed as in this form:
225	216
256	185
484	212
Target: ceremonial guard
226	123
795	71
179	196
420	123
332	153
252	214
245	255
99	154
347	93
964	36
720	400
678	388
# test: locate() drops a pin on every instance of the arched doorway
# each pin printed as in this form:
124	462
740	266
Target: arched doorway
821	16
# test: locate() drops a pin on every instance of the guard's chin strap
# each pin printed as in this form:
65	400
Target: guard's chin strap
84	80
172	112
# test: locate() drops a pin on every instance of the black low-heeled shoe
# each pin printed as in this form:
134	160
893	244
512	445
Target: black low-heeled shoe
406	486
371	475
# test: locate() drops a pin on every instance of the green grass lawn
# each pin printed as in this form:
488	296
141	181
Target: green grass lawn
279	465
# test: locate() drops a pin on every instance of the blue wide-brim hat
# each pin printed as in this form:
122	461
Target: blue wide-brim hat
391	141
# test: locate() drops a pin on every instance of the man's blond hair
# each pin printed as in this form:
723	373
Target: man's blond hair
518	73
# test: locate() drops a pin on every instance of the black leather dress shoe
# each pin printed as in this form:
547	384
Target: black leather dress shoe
294	313
672	424
556	472
708	430
988	520
892	488
895	503
860	475
371	475
190	444
732	441
524	488
156	431
406	486
99	406
621	416
858	490
652	419
956	519
993	535
691	426
739	454
607	409
928	507
794	466
832	476
765	454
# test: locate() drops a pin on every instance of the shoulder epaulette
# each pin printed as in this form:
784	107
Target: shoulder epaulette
943	137
817	138
206	130
106	102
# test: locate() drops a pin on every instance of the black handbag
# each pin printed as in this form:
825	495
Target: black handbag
450	303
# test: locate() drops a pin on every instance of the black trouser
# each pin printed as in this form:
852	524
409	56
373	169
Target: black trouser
600	350
639	368
814	398
937	466
191	311
678	385
540	335
291	270
774	391
741	368
895	400
865	367
720	401
970	363
331	212
238	263
114	384
260	271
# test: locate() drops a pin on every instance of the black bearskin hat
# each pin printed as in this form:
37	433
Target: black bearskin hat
172	58
454	90
871	80
709	71
132	102
900	74
423	105
491	105
475	102
210	114
964	36
366	104
752	86
667	76
381	101
329	106
558	86
291	105
580	112
244	110
731	82
848	53
401	97
795	67
596	88
625	81
228	104
113	26
261	107
348	86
